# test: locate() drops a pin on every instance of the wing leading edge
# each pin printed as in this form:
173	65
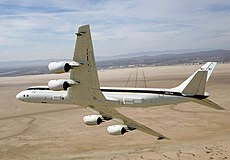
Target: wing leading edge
87	93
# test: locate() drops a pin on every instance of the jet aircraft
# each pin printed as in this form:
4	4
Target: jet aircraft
83	89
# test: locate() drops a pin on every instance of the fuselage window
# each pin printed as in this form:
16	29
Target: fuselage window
38	89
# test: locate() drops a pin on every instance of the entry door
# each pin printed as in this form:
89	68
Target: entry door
161	93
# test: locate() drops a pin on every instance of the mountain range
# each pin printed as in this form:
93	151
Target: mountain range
151	58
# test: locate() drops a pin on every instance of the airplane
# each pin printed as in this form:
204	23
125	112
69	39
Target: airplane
83	89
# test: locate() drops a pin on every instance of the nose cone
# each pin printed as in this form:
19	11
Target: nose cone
19	96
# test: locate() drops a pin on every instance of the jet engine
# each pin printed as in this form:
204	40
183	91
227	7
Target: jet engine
60	84
117	129
62	67
93	119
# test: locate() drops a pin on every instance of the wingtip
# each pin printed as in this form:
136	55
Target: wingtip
161	138
222	109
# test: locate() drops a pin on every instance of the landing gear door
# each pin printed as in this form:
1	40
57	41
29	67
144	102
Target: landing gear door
128	101
132	101
56	97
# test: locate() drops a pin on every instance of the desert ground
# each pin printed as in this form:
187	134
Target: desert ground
43	131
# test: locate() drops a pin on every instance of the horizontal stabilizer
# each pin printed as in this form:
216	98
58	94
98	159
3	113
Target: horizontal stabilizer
208	103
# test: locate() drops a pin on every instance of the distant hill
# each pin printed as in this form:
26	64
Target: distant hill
149	53
16	68
169	59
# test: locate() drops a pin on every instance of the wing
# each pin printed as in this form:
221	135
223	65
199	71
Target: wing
87	92
88	89
108	111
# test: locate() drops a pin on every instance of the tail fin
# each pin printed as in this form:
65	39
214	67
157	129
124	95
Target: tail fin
196	83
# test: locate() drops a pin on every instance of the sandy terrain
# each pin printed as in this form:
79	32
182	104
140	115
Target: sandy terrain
42	131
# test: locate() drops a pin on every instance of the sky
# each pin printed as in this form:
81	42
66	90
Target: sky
44	29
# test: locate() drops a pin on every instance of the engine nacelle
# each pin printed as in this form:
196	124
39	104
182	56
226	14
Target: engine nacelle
93	119
117	129
60	84
62	67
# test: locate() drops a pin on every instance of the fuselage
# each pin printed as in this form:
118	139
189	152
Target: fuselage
130	97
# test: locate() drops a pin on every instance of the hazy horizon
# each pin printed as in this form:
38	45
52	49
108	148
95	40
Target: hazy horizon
134	54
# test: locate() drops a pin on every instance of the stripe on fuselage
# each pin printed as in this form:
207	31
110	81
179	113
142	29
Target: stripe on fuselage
153	92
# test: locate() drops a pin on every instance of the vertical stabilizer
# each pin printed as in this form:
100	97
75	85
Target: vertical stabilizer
209	66
196	83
